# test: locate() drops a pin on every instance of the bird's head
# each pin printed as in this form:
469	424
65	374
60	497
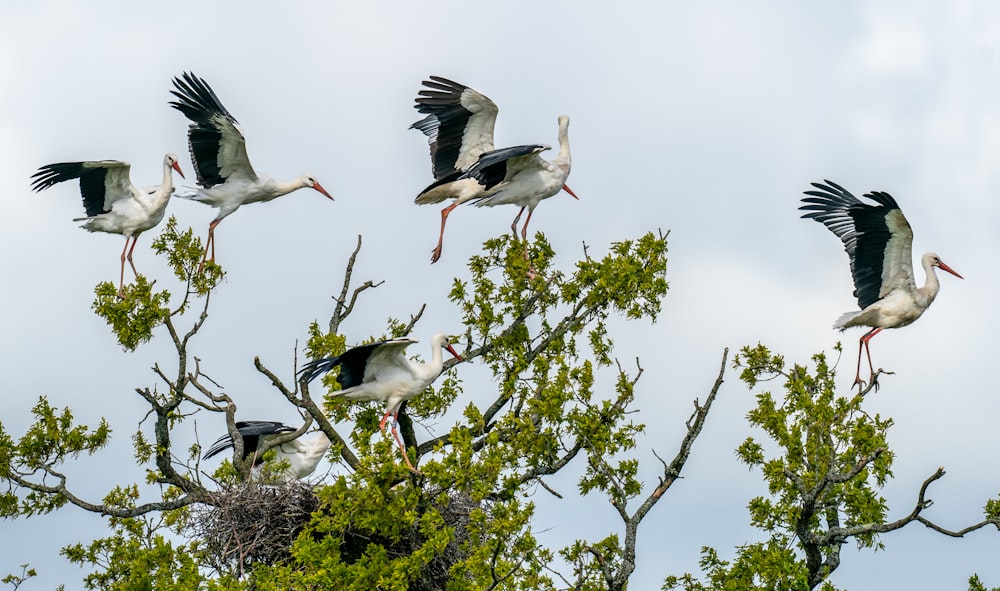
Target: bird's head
172	161
445	342
311	182
937	262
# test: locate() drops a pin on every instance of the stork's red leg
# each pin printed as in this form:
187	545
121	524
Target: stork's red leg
436	253
395	435
385	417
121	276
532	273
513	225
866	338
209	244
402	448
134	240
524	230
863	346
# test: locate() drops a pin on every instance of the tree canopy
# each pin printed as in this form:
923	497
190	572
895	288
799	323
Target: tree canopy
559	399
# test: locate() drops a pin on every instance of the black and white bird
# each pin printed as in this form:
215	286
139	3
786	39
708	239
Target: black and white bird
113	204
459	127
382	372
301	456
218	151
878	240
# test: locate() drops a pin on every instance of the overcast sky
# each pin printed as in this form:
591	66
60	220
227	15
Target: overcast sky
706	119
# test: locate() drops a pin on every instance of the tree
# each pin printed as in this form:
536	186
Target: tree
465	519
823	485
462	522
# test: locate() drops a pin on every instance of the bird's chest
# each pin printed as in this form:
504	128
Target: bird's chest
900	308
533	185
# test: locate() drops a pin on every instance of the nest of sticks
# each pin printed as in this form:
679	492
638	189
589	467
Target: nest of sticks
252	523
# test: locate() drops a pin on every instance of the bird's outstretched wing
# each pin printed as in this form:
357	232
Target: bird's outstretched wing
218	148
459	124
877	238
102	182
496	166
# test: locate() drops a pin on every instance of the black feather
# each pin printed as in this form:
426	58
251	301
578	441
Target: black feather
860	226
199	103
92	182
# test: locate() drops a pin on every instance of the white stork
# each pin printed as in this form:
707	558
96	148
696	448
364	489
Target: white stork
302	456
113	204
218	151
878	240
459	127
381	371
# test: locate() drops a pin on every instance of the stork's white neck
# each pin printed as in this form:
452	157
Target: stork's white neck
563	160
926	294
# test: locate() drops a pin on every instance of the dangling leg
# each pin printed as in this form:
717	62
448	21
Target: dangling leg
513	225
402	448
385	417
209	243
436	253
134	240
121	276
866	338
857	374
532	273
524	230
395	435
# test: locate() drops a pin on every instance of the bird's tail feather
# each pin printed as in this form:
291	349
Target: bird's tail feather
845	319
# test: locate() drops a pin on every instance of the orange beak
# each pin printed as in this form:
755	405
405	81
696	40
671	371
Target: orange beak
320	188
176	166
454	352
570	191
945	267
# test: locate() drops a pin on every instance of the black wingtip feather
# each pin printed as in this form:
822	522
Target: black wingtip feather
197	100
317	367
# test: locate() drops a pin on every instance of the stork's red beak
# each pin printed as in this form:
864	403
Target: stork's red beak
945	267
176	166
454	352
570	191
320	188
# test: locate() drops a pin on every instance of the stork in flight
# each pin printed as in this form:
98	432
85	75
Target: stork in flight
219	154
113	204
459	127
382	372
878	240
301	456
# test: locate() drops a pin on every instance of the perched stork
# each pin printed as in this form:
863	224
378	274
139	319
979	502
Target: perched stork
459	127
113	204
878	240
302	457
219	154
380	371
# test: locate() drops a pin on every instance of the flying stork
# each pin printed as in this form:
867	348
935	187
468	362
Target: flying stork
382	372
302	456
113	204
459	127
878	240
218	151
